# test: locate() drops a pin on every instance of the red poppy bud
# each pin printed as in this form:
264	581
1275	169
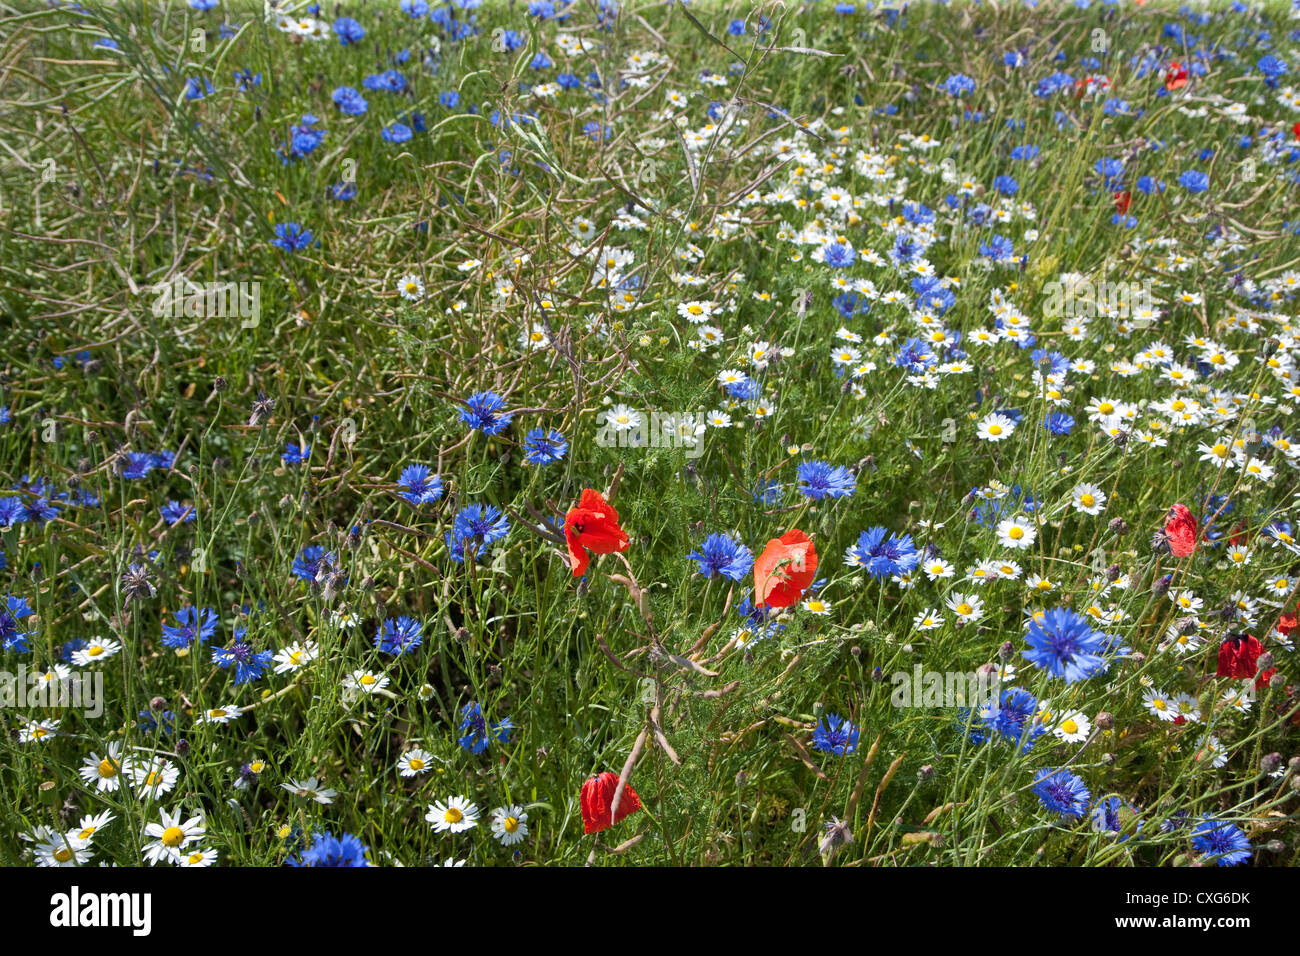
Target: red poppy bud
597	800
1175	76
1122	201
592	526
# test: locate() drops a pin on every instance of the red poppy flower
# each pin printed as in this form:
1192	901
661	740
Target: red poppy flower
1123	201
597	797
592	526
1296	129
1180	527
1286	624
1238	656
1175	76
784	570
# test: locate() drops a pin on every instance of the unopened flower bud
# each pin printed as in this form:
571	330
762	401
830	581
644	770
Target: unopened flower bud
1104	720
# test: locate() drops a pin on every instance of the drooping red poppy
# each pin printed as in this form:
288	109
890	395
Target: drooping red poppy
784	570
1238	656
592	526
597	800
1180	527
1175	76
1122	201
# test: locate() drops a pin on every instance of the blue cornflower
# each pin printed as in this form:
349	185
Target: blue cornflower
292	237
12	512
173	512
881	556
1113	815
137	465
1062	793
160	721
389	80
544	446
476	526
1027	152
396	132
42	511
484	411
1059	423
1109	170
477	732
196	89
1012	715
820	479
192	625
1194	181
328	850
303	139
1006	185
767	492
722	554
13	611
958	84
312	561
1064	644
839	255
349	101
915	356
837	735
1221	840
449	99
746	390
400	636
249	664
348	31
419	485
293	455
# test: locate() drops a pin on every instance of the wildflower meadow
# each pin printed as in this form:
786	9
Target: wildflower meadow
625	433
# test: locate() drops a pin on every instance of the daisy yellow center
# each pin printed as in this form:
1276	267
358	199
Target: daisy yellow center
367	680
173	836
107	768
94	650
218	712
1070	727
964	608
1087	500
453	815
295	657
694	309
63	854
153	778
816	606
995	429
1105	408
510	824
536	336
1015	534
1158	704
86	834
39	732
416	763
195	858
